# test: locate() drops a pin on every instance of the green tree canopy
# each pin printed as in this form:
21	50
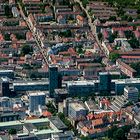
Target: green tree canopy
114	56
26	49
12	131
100	36
119	134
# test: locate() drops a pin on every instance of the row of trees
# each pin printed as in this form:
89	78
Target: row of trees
116	133
18	36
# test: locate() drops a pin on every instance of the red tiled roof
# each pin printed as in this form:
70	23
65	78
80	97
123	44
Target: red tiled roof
97	122
125	66
1	37
137	33
130	57
122	28
47	114
92	116
79	17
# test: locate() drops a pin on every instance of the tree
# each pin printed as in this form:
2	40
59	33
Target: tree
65	33
124	17
12	131
65	120
112	18
84	2
85	138
26	49
134	43
33	76
80	49
138	11
27	66
114	56
61	116
119	134
51	108
130	19
7	37
100	36
112	37
136	66
129	34
20	36
7	10
111	131
105	119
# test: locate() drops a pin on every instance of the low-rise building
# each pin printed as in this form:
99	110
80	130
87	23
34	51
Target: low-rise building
126	69
77	110
131	93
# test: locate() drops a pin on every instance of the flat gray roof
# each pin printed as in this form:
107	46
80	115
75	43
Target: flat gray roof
30	83
58	123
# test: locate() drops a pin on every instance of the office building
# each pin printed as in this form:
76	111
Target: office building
5	90
60	94
7	73
80	88
53	79
120	84
30	86
131	93
5	102
105	82
36	101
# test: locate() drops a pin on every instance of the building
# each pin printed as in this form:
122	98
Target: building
132	93
80	88
126	69
30	86
134	134
15	12
5	90
63	136
77	110
91	106
7	73
60	94
25	136
120	84
105	82
53	79
36	101
36	128
5	102
11	116
55	121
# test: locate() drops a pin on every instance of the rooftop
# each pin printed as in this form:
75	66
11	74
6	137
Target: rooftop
61	91
81	83
22	83
36	93
77	106
32	122
132	89
58	123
